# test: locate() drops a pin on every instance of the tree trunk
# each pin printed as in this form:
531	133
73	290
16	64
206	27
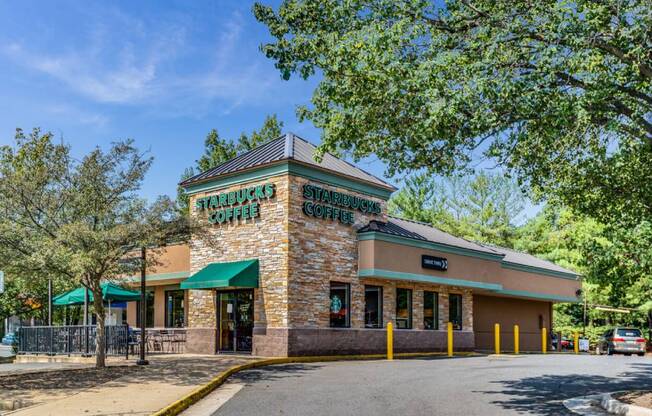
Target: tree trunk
100	339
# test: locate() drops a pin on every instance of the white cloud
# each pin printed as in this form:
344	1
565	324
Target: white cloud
146	66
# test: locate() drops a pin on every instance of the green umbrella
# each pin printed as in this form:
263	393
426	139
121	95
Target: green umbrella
110	292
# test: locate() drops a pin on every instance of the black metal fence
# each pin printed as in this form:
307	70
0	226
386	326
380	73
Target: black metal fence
71	340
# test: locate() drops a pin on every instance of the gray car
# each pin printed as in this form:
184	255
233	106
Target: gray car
619	340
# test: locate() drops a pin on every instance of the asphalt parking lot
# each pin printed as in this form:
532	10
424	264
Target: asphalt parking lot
532	385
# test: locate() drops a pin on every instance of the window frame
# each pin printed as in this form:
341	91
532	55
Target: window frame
150	311
167	309
410	320
460	323
380	306
348	304
435	309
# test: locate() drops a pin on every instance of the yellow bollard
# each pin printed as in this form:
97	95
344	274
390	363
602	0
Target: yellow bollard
497	337
544	341
576	343
390	341
450	339
516	340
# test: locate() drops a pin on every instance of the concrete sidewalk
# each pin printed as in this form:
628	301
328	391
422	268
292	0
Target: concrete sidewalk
143	391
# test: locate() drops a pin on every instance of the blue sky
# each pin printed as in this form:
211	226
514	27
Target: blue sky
161	72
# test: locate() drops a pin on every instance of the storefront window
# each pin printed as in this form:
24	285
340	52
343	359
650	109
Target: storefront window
430	310
174	309
339	305
149	313
455	310
373	307
403	308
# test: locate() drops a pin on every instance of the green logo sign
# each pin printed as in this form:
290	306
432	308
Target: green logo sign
241	204
336	304
335	206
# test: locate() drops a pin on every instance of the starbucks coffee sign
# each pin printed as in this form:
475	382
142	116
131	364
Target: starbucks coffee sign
235	205
335	206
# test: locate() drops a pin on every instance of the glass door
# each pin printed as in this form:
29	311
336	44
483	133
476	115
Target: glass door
244	318
226	321
235	320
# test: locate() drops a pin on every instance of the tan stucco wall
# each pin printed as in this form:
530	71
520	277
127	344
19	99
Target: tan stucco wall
169	259
172	258
159	304
375	254
557	286
489	310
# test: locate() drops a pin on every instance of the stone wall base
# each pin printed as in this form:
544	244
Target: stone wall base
201	340
283	342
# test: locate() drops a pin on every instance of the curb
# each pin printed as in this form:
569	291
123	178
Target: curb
200	392
617	407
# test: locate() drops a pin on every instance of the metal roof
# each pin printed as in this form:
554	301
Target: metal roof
517	257
435	235
286	147
425	232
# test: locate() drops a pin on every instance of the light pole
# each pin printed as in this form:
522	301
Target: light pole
50	302
143	308
86	323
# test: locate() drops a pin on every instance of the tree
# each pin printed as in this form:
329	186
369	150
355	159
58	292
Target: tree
25	294
621	266
270	130
558	92
481	207
77	218
218	150
565	238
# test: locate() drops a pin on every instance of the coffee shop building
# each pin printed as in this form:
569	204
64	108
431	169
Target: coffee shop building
300	257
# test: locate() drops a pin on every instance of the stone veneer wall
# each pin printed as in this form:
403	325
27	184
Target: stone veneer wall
299	257
322	251
264	238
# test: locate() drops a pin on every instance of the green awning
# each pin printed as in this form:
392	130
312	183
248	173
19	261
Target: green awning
233	274
110	292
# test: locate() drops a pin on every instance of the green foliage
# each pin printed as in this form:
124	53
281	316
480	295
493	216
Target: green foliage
479	208
558	92
624	264
218	150
74	220
270	130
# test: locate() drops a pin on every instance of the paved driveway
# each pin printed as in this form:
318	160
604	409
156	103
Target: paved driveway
532	385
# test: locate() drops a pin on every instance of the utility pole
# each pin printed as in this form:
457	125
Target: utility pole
143	307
